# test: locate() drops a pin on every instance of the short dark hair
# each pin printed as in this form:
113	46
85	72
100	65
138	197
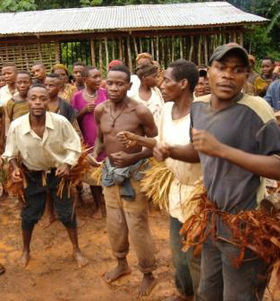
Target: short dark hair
24	72
38	85
267	58
183	69
53	75
38	63
121	68
79	64
87	69
9	64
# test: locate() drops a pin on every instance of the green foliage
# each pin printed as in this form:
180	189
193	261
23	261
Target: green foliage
17	5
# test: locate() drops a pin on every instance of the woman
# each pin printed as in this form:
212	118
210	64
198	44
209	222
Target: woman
84	102
67	90
148	93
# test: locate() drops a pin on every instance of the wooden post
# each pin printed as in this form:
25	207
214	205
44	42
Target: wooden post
152	48
199	50
92	52
206	50
106	53
191	49
181	47
120	49
129	54
172	49
100	56
234	36
113	49
157	49
140	44
241	38
135	46
163	51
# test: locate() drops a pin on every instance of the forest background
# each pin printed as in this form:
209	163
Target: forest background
261	41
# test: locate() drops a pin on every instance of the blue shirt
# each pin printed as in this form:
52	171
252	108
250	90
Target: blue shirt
273	95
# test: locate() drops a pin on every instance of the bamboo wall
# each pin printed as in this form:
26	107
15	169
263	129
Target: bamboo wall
24	55
196	48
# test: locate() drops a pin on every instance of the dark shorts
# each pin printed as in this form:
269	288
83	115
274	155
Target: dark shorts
36	196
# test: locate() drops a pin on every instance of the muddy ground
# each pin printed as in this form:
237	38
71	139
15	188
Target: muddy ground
52	275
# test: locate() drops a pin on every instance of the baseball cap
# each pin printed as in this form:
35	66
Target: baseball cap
221	51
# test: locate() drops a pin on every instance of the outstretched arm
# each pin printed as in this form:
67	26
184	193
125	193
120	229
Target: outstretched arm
129	139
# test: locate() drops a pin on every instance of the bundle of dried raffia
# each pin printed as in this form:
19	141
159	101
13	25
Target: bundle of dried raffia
15	189
76	174
257	230
156	183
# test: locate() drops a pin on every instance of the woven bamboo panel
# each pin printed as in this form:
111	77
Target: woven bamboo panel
24	55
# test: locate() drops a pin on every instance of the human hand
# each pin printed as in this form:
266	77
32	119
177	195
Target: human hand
127	139
91	158
62	170
89	108
122	159
161	152
16	176
206	143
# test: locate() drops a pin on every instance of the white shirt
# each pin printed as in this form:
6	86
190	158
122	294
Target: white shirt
60	143
154	103
177	132
5	95
135	81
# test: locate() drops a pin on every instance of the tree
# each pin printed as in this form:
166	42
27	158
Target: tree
17	5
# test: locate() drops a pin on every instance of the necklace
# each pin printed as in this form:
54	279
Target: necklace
90	95
114	118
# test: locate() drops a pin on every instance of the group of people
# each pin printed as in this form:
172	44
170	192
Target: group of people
180	116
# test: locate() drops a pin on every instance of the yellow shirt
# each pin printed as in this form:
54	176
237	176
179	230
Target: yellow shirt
60	143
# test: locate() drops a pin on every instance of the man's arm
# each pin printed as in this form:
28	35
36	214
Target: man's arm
147	119
262	165
129	139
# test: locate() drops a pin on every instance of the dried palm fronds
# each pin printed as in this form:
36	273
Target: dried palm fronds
15	189
156	184
93	176
257	230
76	174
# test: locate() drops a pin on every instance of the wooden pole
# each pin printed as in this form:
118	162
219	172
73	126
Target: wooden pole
129	54
199	50
135	46
206	50
172	49
191	49
92	52
163	51
157	49
152	48
140	44
106	53
100	56
113	49
181	47
120	49
241	38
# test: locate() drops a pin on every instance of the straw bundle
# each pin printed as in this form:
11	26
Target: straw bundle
156	184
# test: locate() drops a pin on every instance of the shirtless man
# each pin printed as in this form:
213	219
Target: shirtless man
127	207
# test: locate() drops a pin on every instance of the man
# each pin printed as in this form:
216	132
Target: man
202	88
48	146
18	106
177	88
272	95
9	71
127	208
57	104
38	71
236	138
266	78
78	69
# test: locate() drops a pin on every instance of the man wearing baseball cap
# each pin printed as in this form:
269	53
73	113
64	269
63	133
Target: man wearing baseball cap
237	140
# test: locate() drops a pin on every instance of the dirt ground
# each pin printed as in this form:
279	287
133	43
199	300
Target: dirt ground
52	275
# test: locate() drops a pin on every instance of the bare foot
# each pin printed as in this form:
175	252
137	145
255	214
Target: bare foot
147	284
119	271
80	258
48	221
24	259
